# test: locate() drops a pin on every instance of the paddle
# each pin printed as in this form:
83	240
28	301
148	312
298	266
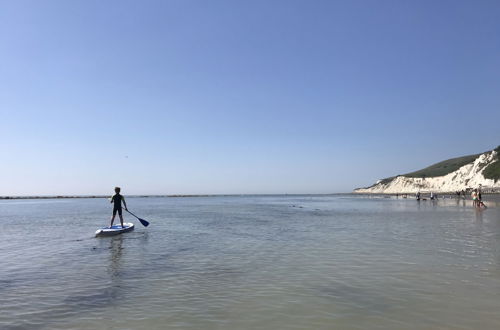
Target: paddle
144	222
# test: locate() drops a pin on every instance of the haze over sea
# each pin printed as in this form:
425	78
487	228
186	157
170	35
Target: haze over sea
252	262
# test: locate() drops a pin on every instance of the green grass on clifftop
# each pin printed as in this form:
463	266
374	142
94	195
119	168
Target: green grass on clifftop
438	169
443	168
492	171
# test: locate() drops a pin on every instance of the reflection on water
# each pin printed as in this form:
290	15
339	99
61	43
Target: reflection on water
479	214
116	248
274	262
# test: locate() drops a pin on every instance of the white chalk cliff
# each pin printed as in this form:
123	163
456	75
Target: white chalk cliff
467	176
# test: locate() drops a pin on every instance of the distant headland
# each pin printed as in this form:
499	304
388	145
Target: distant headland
449	176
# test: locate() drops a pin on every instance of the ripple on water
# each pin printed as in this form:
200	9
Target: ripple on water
252	263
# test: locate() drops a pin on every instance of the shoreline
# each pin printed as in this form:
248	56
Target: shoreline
409	195
161	196
100	196
427	192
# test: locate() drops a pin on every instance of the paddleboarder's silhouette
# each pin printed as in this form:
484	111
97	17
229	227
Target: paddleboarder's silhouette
117	200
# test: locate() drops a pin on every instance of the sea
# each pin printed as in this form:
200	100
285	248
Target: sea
252	262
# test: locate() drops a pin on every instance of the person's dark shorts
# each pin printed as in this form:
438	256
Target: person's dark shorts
117	209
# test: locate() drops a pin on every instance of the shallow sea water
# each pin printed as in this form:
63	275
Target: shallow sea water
251	262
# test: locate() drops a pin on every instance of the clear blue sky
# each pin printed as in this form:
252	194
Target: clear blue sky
241	96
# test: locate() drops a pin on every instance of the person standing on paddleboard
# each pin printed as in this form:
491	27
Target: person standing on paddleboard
117	200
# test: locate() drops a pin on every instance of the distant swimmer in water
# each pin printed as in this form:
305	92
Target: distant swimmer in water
117	200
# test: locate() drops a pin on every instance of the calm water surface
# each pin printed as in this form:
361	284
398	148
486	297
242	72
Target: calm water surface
265	262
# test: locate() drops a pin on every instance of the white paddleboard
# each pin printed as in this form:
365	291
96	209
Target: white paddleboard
115	230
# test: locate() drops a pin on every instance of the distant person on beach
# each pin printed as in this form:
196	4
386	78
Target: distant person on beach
418	196
479	199
117	200
474	197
